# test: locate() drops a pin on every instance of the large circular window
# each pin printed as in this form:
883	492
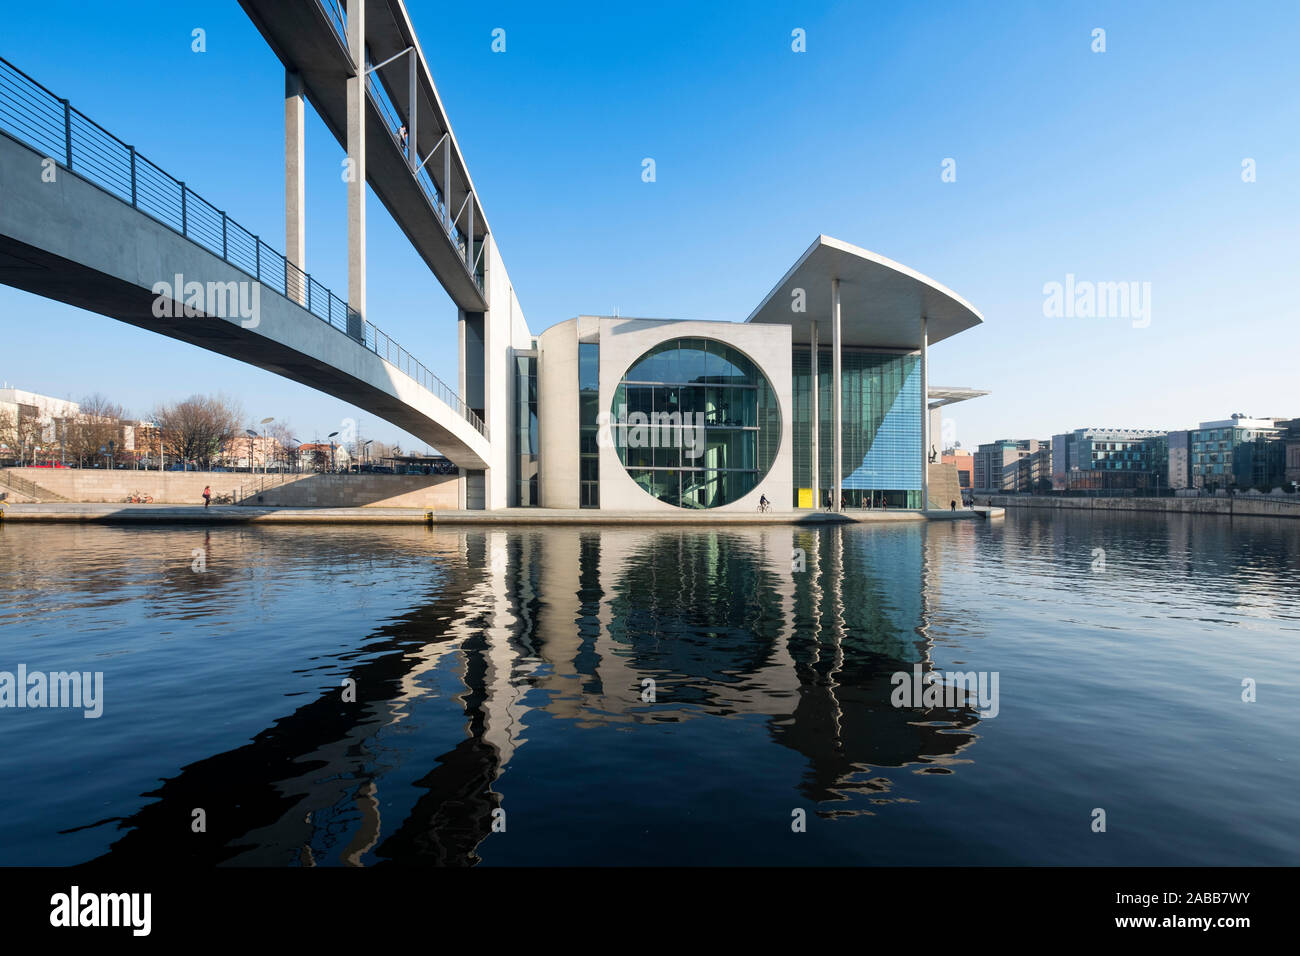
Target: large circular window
696	424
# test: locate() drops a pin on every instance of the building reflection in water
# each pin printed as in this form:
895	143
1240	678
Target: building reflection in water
579	625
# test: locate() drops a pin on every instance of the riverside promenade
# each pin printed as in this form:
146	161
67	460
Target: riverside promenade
1259	506
99	513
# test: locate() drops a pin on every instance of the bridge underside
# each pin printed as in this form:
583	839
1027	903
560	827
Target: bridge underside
75	243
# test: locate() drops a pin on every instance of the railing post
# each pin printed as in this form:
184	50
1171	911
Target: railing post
133	193
67	133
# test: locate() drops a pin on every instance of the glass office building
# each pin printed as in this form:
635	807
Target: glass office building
1238	452
670	415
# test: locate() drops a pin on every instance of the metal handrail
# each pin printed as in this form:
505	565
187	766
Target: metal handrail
32	114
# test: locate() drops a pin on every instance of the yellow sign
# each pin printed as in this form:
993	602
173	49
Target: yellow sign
805	498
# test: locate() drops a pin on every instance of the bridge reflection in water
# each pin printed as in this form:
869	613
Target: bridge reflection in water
526	628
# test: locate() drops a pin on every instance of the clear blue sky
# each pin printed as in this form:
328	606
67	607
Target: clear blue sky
1115	166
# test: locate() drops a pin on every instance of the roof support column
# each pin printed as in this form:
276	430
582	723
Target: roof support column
356	171
925	415
295	190
816	421
837	456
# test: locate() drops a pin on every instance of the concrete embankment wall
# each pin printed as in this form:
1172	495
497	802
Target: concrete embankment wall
1288	507
431	492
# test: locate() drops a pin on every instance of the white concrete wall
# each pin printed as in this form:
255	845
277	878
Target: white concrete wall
623	341
557	415
504	330
936	431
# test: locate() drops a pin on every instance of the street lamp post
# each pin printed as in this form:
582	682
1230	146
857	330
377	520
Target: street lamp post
265	422
365	452
162	463
333	467
251	435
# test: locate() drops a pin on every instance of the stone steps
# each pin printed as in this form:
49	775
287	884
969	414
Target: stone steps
22	487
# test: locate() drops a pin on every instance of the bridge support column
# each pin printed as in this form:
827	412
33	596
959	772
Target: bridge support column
295	190
356	172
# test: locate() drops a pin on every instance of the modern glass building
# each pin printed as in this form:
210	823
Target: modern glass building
819	398
1110	459
1238	452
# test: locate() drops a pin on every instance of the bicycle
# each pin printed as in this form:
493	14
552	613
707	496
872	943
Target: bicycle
136	498
764	506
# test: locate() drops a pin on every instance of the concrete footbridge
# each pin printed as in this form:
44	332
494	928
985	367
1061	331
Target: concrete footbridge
88	220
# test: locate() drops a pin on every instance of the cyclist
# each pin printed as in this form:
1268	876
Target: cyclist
762	503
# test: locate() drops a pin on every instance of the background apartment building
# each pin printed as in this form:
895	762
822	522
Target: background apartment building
1110	459
29	420
1240	452
1009	466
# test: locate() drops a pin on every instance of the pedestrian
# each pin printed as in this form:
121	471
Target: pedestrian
952	505
844	505
404	149
207	496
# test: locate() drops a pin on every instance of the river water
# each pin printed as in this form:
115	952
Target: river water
331	695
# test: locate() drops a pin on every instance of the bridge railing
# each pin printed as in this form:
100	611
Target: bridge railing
338	20
50	125
432	195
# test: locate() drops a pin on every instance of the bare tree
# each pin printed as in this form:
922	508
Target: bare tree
196	429
8	434
282	434
98	422
30	433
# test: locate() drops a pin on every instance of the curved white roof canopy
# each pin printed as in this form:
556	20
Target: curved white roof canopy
941	395
881	301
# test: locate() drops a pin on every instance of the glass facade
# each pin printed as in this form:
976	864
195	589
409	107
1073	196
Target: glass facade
1241	457
695	423
588	414
527	492
880	427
